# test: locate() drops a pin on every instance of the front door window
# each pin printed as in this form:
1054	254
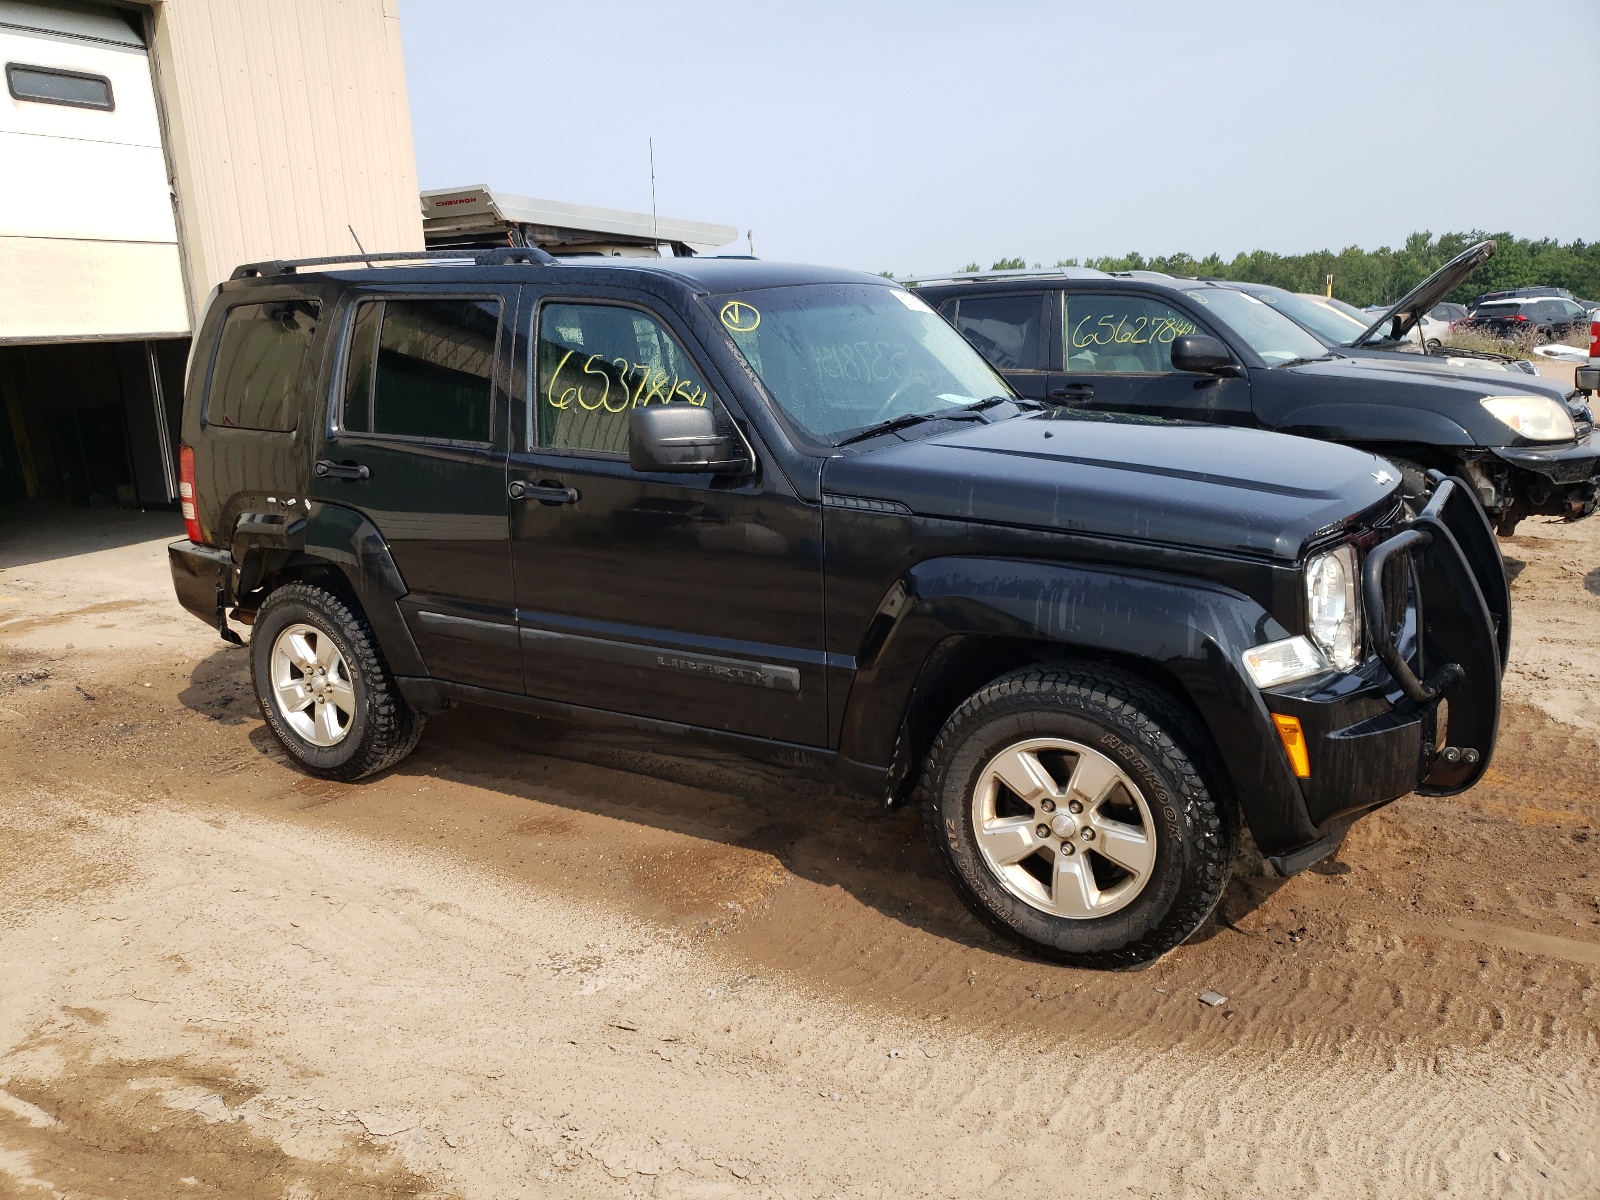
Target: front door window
1120	334
597	361
1116	348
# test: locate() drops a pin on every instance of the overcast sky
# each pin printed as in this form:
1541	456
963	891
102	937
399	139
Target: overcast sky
916	137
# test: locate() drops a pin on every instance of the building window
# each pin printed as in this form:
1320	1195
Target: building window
260	356
50	85
422	369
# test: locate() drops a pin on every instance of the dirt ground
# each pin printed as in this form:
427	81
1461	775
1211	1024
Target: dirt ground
539	962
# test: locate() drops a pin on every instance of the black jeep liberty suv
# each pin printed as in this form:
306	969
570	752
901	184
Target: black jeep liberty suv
790	511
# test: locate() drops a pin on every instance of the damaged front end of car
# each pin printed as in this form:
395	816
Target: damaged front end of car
1408	627
1551	470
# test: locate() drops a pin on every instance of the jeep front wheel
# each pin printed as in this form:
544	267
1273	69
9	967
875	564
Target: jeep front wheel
1070	815
324	688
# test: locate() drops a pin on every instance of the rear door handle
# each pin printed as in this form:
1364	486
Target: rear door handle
1073	391
546	491
326	468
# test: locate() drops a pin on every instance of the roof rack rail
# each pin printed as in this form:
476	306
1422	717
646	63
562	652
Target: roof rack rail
1023	273
499	256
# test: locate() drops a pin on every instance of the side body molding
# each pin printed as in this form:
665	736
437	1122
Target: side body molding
1189	631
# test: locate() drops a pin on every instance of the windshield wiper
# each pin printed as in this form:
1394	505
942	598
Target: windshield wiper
906	420
965	412
1300	362
991	401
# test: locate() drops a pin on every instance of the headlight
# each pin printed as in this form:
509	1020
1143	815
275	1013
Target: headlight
1537	418
1331	604
1283	662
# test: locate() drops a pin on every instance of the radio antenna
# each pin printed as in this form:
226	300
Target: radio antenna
655	240
357	241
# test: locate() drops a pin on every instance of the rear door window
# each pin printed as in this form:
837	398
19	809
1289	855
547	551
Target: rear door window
422	369
260	356
1004	329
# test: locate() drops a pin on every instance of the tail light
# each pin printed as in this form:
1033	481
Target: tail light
1594	338
1517	317
187	499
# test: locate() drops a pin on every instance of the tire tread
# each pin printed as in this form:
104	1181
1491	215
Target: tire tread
393	727
1146	712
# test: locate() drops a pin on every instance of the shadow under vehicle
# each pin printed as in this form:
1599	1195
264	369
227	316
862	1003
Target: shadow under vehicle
788	511
1227	353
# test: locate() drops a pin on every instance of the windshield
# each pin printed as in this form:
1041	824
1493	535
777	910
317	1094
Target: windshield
838	358
1498	310
1328	323
1274	337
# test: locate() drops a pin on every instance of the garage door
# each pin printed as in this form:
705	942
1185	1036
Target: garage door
88	244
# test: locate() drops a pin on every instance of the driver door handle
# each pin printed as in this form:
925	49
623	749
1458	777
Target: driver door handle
326	468
546	491
1074	391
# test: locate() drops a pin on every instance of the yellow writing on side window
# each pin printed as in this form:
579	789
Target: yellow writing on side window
1128	331
615	385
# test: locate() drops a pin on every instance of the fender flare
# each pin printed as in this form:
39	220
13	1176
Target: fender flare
1386	423
329	535
1190	631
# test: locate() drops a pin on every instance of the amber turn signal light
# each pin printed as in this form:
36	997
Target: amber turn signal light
1294	744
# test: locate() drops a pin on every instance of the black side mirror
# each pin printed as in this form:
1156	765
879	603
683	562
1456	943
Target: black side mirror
683	438
1201	353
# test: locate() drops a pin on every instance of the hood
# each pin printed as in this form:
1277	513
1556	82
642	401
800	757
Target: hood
1485	377
1205	487
1403	316
1460	377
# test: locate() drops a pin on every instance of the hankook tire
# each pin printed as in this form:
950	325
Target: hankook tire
324	688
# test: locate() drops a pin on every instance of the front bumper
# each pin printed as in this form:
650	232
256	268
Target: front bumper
1422	713
1570	462
1555	481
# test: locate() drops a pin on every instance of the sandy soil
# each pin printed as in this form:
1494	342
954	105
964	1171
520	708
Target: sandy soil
538	962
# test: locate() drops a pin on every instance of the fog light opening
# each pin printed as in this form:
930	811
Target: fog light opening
1294	744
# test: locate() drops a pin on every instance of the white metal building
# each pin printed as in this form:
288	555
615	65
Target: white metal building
145	150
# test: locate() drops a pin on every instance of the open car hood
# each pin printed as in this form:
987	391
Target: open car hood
1403	316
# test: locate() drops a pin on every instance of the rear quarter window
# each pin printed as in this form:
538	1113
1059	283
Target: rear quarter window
255	378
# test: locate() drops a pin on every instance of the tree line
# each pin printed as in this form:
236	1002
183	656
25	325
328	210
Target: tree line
1383	275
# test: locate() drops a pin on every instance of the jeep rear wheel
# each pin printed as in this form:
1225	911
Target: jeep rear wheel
1070	815
324	688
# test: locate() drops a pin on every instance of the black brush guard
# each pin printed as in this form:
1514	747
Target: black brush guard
1464	627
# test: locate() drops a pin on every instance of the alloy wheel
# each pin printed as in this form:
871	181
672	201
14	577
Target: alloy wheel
1063	828
311	685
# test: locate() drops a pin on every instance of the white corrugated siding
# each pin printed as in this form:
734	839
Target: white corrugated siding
88	248
286	122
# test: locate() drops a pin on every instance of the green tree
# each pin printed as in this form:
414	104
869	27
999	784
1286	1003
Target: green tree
1383	275
1009	264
